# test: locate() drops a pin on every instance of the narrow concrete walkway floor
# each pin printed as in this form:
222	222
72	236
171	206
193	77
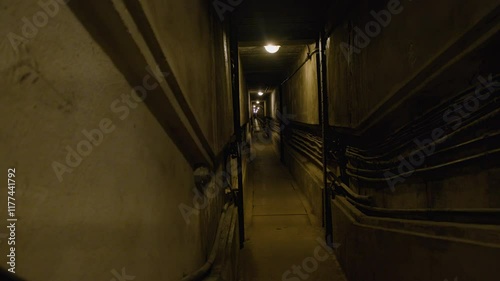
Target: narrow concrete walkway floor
282	242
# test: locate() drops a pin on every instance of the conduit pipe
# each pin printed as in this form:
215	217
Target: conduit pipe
205	269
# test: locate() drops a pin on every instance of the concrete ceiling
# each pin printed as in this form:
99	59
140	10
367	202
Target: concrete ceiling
291	24
263	69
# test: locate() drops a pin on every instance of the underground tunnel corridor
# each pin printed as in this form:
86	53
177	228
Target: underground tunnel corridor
250	140
285	240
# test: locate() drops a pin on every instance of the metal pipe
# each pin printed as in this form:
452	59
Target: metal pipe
475	216
450	149
352	152
426	169
348	191
205	269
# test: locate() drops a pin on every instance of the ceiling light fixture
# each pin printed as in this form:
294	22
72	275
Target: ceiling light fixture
272	48
261	93
258	102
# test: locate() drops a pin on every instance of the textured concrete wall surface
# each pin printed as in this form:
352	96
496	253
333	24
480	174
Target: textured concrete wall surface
407	70
373	251
421	56
364	73
432	61
309	178
99	181
300	93
244	97
273	104
197	48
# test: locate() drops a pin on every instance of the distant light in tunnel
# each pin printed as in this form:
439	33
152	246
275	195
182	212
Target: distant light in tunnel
258	102
272	48
261	93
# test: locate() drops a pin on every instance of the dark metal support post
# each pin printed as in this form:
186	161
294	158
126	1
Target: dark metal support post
324	120
235	76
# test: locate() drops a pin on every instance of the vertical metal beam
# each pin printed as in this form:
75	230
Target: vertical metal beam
324	120
235	76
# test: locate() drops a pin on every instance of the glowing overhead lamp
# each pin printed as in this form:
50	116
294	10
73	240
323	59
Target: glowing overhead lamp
272	48
258	102
261	93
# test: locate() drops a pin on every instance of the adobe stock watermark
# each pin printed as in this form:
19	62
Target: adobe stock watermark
123	276
29	30
372	29
3	236
122	108
223	6
221	179
454	118
310	264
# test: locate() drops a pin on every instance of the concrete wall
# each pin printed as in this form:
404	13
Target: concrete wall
185	33
244	96
300	94
375	249
404	71
300	104
119	208
277	116
364	79
274	104
427	54
309	179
